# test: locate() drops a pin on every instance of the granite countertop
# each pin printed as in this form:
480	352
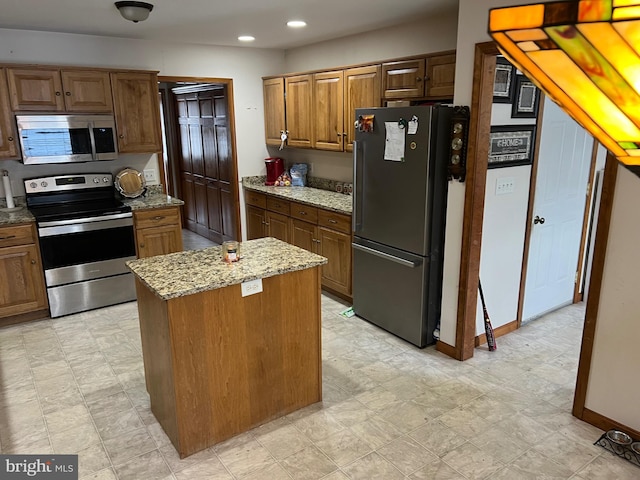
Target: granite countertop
193	271
337	202
16	215
152	200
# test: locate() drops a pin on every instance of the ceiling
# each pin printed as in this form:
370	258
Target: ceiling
220	22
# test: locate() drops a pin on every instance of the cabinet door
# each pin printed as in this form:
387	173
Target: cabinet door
404	79
440	77
159	240
8	137
328	121
137	112
278	226
256	222
304	235
87	91
336	247
25	292
299	110
361	90
274	123
35	90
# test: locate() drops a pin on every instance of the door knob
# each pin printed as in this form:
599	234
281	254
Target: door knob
539	220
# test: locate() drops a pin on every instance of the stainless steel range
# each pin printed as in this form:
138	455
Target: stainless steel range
86	236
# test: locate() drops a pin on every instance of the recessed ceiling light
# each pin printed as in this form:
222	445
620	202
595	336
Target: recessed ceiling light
296	23
246	38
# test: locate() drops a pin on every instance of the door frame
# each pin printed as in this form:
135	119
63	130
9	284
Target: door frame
228	82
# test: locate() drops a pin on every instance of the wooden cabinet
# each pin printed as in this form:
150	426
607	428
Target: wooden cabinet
256	222
137	111
8	136
54	90
361	90
328	111
336	247
299	111
20	264
277	226
274	120
158	231
431	77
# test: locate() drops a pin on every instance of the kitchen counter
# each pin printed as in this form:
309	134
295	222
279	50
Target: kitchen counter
20	214
221	358
185	273
152	200
337	202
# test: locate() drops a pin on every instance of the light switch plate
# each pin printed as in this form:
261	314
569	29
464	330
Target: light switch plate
149	175
251	288
505	185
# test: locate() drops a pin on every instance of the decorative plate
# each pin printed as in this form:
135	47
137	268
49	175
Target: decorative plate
130	183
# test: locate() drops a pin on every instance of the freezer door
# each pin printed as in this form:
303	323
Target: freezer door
392	197
389	290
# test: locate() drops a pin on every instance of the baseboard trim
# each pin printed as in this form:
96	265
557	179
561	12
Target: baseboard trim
498	332
447	349
605	423
24	317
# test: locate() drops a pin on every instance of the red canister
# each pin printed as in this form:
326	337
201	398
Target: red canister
275	168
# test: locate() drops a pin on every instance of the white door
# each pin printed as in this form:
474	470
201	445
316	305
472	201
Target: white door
563	171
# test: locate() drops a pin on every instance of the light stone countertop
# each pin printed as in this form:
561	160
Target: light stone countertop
152	200
16	215
193	271
337	202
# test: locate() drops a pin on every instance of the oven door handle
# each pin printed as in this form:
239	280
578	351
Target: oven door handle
73	221
86	226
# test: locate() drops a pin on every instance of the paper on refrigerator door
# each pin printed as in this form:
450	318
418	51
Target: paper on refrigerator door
394	142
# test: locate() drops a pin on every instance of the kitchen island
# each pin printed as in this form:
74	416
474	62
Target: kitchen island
227	347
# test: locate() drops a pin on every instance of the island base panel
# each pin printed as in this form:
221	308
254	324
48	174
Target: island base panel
218	364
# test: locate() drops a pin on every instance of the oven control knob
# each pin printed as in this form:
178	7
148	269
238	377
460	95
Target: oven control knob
33	184
105	179
96	180
44	184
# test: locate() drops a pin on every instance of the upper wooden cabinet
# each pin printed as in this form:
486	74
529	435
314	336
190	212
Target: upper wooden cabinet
328	124
431	77
137	112
8	137
299	111
53	90
274	121
361	90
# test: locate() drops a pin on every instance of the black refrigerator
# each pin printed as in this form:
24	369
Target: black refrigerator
400	196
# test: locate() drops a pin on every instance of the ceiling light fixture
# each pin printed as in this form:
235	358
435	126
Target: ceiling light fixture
296	23
134	11
246	38
585	55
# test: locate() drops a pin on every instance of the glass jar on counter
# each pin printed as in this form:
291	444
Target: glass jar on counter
230	251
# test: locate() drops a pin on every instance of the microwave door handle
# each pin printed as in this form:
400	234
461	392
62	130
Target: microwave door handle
93	142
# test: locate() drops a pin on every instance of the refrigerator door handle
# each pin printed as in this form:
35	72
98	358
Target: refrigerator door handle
356	222
387	256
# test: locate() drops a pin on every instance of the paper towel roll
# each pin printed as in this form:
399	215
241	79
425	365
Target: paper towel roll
7	189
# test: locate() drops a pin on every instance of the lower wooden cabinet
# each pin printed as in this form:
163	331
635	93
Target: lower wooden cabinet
23	290
158	231
320	231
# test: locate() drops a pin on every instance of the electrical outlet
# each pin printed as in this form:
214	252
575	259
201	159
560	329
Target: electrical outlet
150	175
251	287
505	185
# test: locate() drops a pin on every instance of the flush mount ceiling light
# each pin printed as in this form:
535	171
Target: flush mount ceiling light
246	38
134	11
584	54
296	23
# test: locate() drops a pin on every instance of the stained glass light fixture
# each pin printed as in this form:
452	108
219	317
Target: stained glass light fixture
584	54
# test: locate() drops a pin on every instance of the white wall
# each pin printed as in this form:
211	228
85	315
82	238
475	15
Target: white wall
613	389
246	66
473	18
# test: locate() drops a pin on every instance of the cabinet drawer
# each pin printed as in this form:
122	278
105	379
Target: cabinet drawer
277	205
16	235
304	212
335	221
256	199
156	217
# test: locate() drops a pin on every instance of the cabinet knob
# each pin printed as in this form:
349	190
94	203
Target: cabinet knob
302	213
58	94
266	223
68	94
121	136
10	139
142	245
418	79
427	77
158	218
339	134
331	220
7	237
33	262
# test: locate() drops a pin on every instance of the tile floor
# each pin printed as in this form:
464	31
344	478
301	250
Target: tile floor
390	411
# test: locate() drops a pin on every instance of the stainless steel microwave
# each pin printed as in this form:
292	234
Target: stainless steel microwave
67	138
